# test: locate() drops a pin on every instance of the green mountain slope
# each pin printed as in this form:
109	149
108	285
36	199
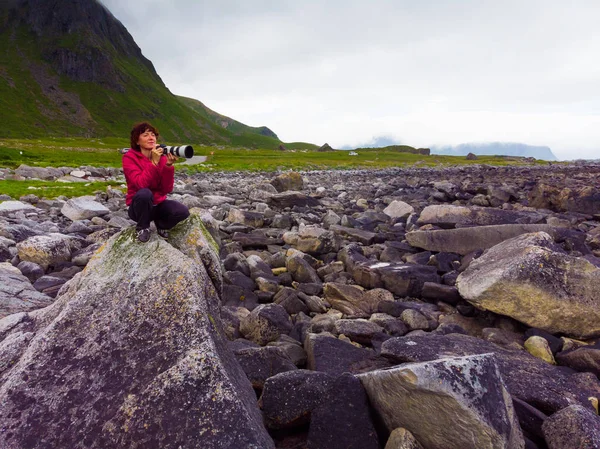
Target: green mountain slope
70	68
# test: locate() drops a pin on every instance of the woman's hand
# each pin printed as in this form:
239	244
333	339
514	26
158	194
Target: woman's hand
171	158
156	154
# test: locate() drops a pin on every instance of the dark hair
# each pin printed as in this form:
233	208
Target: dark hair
138	129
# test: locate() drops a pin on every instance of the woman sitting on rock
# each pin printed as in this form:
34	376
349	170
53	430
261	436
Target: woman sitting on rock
150	176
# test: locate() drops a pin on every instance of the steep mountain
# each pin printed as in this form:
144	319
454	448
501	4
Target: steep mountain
70	68
497	148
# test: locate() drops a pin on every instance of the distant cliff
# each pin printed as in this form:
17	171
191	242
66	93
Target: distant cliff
497	148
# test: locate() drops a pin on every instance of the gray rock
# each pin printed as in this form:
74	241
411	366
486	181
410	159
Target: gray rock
414	320
331	355
291	199
163	362
82	208
289	398
398	209
217	200
266	323
17	294
330	218
537	286
471	391
292	348
348	299
30	270
14	206
301	270
289	300
344	420
359	330
83	256
238	296
585	359
18	232
261	363
572	427
548	388
356	235
406	280
245	217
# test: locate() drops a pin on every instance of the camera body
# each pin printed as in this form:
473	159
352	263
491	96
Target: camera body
186	151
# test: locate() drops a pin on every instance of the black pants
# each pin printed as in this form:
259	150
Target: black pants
165	215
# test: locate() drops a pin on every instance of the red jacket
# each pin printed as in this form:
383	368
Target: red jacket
141	173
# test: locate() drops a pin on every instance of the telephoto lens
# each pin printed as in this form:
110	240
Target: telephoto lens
186	151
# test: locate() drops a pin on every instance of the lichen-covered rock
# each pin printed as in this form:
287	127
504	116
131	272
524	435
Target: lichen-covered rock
453	403
45	250
548	388
266	323
288	181
83	207
538	347
526	279
129	355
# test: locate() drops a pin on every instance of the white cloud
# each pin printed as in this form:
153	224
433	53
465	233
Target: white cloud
343	71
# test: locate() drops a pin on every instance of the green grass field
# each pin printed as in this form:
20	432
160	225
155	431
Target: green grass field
76	152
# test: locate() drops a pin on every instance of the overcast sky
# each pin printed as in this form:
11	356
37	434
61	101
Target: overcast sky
429	72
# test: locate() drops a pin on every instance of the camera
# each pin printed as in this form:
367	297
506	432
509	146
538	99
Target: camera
186	151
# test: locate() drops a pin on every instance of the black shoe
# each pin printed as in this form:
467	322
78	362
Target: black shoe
163	233
143	235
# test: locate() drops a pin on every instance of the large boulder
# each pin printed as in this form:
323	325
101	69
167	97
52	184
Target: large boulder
547	387
130	355
528	280
473	409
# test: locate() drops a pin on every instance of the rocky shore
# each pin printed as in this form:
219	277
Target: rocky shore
400	308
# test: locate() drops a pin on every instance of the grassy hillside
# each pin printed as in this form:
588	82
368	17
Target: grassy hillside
91	82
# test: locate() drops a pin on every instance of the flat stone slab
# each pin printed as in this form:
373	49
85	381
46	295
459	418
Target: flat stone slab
14	206
466	240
